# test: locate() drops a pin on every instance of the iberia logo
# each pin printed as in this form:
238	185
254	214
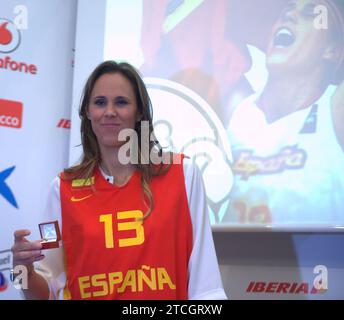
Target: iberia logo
283	288
319	285
9	36
11	113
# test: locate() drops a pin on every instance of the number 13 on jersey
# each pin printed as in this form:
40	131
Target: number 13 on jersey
135	225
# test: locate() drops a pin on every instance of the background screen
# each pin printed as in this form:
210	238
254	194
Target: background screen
251	91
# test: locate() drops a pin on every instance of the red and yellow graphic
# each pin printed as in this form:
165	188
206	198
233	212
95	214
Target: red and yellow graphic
11	113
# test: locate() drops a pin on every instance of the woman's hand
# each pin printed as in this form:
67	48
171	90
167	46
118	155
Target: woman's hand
25	252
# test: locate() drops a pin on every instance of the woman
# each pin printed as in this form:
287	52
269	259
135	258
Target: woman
288	162
129	230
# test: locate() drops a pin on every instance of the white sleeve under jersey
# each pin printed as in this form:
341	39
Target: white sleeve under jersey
204	276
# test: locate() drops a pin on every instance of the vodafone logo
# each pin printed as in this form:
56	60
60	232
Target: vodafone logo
9	41
9	36
11	113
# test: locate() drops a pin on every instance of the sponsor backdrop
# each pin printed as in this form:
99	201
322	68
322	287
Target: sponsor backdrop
36	57
195	71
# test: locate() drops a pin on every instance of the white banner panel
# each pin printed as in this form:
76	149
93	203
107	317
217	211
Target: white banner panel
88	54
259	282
36	66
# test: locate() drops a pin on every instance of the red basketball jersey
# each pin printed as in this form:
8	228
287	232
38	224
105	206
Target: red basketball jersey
112	255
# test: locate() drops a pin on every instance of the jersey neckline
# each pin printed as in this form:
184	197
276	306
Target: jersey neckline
103	178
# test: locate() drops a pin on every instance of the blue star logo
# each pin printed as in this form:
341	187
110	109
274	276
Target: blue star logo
5	191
